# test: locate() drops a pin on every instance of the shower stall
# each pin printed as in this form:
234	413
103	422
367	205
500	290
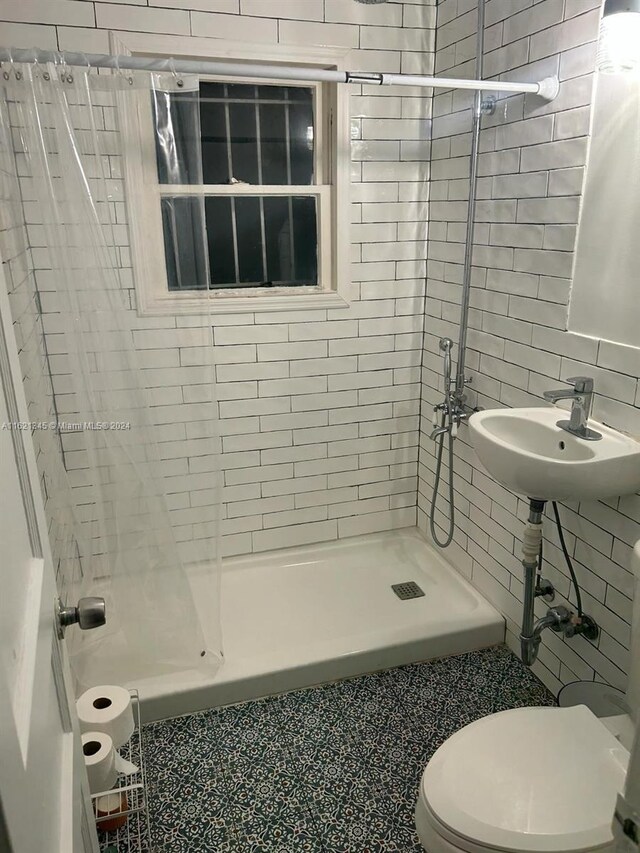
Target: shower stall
132	469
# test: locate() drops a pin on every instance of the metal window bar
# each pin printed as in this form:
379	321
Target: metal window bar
263	233
287	136
234	227
239	189
176	248
256	100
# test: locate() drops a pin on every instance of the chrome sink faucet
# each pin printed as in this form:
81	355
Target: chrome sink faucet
582	396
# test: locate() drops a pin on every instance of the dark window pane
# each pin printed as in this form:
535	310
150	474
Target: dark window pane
244	147
215	151
305	239
250	243
240	91
212	90
233	115
184	243
300	93
272	93
277	231
274	147
278	238
177	123
220	241
291	240
301	141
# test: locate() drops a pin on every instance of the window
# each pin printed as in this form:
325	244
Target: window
254	138
239	194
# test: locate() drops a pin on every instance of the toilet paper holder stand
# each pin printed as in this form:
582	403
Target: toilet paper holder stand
134	788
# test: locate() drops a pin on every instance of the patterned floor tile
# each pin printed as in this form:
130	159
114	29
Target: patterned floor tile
291	832
331	769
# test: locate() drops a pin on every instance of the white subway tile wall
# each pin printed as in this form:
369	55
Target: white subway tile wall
318	410
24	301
532	167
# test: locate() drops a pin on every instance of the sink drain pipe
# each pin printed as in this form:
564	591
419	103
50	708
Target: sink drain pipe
560	619
531	541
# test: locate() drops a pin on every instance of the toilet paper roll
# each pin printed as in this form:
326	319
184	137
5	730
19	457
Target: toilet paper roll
99	758
111	811
107	708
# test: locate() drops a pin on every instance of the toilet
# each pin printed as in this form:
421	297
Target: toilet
529	780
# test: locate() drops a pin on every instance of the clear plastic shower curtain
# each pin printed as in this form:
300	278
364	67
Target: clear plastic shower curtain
128	435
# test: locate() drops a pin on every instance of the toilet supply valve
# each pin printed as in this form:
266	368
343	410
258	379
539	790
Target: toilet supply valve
560	620
545	589
584	625
564	621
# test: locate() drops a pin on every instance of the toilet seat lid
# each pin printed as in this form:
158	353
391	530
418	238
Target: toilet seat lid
529	779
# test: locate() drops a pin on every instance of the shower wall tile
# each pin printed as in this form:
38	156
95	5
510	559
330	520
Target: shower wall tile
47	12
532	171
120	16
37	35
35	365
318	409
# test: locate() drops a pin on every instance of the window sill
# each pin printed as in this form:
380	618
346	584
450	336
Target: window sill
181	304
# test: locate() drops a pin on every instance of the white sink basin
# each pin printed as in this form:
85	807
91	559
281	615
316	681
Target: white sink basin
525	451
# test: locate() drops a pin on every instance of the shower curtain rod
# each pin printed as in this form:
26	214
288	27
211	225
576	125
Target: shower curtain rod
546	88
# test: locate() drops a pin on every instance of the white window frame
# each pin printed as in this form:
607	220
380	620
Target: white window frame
143	192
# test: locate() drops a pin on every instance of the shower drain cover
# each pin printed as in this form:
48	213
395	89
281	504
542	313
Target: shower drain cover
406	590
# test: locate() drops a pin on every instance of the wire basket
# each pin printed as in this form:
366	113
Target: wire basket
134	835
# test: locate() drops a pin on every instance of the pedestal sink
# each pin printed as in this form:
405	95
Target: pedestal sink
527	452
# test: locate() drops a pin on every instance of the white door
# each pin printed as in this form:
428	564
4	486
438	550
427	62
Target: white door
44	796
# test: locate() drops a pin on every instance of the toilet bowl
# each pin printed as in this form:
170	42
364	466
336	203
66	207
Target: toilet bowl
532	780
525	780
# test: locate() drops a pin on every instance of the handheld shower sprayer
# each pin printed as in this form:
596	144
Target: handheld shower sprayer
446	420
446	345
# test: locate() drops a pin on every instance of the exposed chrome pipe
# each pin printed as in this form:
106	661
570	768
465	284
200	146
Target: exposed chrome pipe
560	619
452	408
529	637
471	213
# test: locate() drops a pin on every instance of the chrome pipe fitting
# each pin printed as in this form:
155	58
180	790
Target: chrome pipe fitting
559	619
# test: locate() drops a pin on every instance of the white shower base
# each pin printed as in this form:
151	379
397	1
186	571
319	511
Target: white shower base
302	616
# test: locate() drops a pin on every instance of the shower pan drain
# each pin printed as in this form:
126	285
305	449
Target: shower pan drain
406	590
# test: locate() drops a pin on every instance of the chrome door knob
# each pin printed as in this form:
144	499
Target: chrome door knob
90	613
